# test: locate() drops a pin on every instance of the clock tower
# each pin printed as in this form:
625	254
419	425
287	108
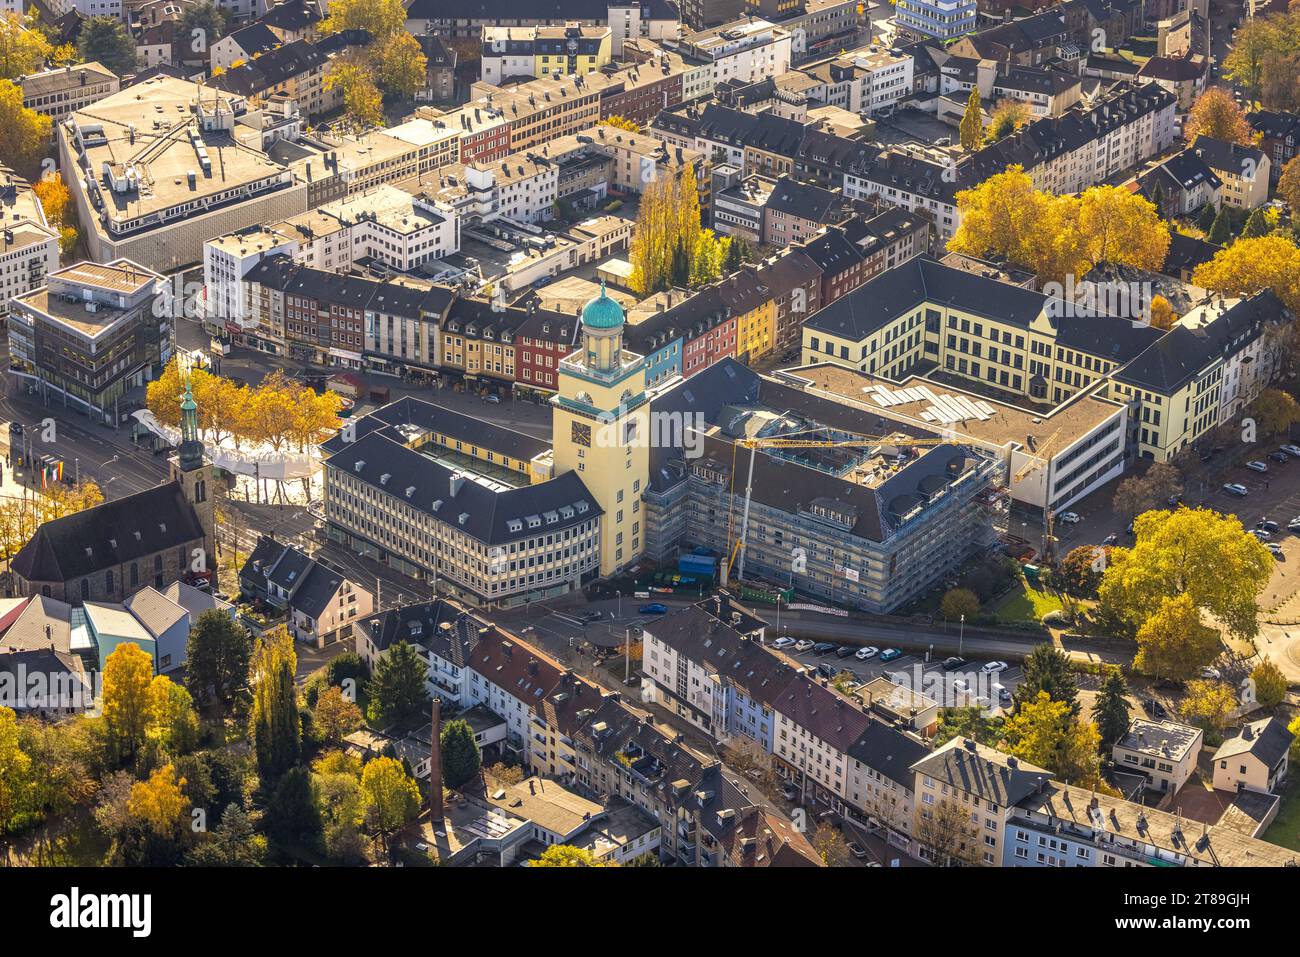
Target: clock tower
196	473
600	421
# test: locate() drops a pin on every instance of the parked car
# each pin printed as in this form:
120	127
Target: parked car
1267	525
1294	524
960	685
1293	450
856	849
1174	501
862	654
1259	533
492	399
654	608
1069	518
1155	709
824	647
1235	488
1003	693
993	667
1279	457
785	641
826	670
953	663
803	644
1208	672
589	616
1110	539
844	651
889	654
1275	548
1256	466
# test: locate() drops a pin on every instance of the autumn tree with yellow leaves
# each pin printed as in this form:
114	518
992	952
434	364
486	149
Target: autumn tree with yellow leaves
1253	264
1058	236
669	247
1216	115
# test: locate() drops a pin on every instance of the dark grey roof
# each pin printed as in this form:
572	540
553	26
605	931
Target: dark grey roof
1179	355
1222	155
255	38
1267	739
438	626
110	534
292	14
483	513
1184	171
413	411
983	772
863	311
805	200
317	590
889	751
1186	252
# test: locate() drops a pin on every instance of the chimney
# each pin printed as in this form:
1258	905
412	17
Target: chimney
435	764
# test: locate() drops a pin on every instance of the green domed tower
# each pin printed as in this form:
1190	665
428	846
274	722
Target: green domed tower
602	332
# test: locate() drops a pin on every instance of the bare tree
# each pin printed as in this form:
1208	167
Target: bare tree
946	835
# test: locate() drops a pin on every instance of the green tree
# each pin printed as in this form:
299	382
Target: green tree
971	131
274	724
1047	670
1270	683
1045	733
958	603
1221	230
972	722
460	755
107	40
397	688
1194	551
1111	710
22	50
217	656
232	843
390	798
1274	411
1257	224
210	20
566	855
291	813
1078	574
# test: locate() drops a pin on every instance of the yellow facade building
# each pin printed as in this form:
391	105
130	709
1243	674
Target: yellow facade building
600	428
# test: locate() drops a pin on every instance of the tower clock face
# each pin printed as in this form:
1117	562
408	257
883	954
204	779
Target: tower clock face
582	434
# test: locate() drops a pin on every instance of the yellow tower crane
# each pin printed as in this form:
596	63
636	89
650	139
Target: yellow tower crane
865	441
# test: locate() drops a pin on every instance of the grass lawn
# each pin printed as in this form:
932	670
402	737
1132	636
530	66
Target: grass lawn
1285	829
1026	603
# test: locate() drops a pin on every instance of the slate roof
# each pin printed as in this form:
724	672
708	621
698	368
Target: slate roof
861	312
1267	739
254	38
482	513
805	200
889	751
1179	355
438	626
1186	252
982	771
1222	155
110	534
155	610
293	15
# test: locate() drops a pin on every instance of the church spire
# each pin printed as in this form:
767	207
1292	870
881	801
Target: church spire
191	448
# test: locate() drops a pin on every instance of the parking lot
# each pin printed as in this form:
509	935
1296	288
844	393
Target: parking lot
953	688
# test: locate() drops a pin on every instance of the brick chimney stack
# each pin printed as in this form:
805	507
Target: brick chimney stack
435	764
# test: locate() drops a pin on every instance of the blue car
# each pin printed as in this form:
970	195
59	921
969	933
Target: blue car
889	654
652	609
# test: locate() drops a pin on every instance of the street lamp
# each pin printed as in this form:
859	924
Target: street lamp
961	635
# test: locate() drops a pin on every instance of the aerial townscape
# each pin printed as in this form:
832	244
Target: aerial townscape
649	433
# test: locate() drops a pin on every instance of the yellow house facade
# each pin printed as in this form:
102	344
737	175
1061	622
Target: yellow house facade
600	428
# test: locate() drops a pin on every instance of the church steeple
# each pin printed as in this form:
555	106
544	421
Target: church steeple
191	447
